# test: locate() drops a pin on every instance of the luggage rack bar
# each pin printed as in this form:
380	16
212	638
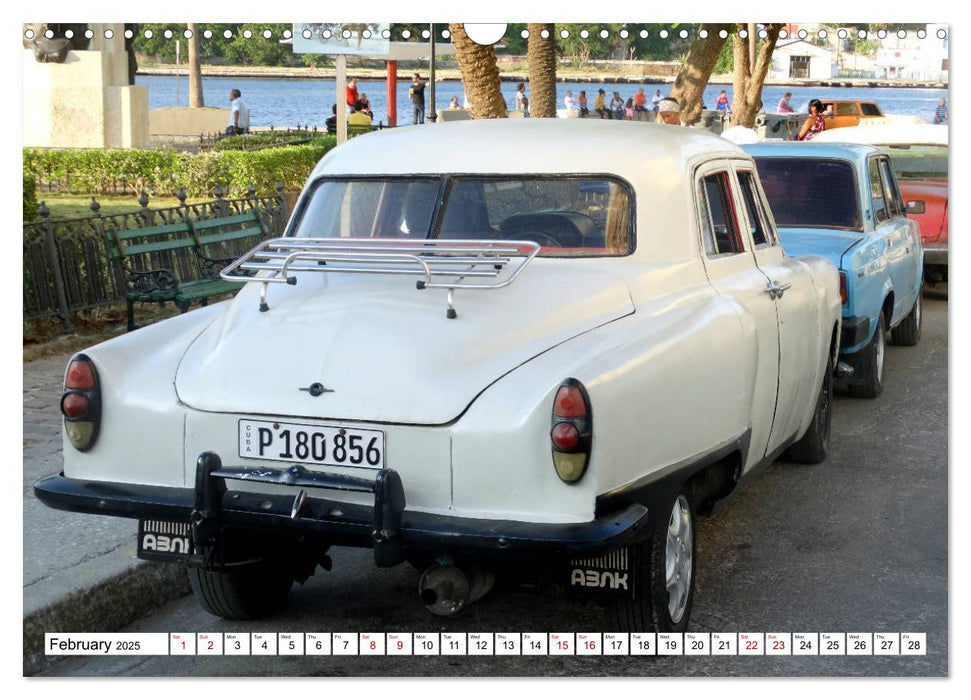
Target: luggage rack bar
486	264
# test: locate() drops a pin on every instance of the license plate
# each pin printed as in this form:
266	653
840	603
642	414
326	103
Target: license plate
161	540
311	444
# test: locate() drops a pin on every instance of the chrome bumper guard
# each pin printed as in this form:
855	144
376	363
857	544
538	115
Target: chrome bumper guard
389	501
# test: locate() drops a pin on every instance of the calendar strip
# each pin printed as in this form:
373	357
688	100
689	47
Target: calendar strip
488	644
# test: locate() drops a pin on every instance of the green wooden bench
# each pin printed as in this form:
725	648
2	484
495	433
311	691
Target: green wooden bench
180	262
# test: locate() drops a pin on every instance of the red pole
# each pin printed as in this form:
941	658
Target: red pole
392	93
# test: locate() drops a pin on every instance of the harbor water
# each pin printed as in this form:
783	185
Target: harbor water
281	102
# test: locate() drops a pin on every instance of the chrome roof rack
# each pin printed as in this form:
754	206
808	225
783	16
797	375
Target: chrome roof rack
471	264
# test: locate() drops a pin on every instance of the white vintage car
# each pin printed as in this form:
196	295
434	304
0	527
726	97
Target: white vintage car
527	347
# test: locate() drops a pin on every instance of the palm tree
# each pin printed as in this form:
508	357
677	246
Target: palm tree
690	83
541	54
748	79
480	75
195	68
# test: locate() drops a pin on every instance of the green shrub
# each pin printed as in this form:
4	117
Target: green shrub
262	139
162	173
30	197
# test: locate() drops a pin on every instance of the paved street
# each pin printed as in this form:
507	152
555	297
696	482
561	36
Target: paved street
857	544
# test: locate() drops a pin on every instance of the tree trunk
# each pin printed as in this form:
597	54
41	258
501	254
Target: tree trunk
689	85
748	80
195	69
541	54
480	75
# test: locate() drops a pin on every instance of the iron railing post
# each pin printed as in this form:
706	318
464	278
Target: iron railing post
55	261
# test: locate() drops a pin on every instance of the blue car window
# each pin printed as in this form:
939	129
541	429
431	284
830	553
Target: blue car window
811	192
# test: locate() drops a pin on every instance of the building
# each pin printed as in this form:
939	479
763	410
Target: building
801	59
914	58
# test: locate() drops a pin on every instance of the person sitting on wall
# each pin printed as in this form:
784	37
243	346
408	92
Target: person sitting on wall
358	119
331	122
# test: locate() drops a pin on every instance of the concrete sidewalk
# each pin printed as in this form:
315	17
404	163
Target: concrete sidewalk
80	571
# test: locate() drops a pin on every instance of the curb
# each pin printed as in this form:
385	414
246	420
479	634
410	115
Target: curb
105	607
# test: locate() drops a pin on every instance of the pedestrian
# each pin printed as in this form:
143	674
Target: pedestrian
525	107
520	96
815	124
784	104
454	102
238	114
940	114
656	100
417	94
629	108
351	92
569	102
582	102
721	104
617	106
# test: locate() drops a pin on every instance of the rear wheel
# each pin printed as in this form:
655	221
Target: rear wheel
869	365
664	578
814	445
246	591
908	332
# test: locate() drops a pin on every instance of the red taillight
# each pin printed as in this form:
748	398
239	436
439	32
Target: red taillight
565	436
571	433
75	405
569	402
81	403
80	375
843	286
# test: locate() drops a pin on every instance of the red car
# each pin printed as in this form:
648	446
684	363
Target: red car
919	156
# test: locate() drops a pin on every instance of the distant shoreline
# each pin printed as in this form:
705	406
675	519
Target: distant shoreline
453	75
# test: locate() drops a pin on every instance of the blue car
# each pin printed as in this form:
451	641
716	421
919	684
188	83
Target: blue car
842	201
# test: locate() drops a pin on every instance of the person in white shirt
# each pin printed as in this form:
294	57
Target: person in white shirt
238	114
569	102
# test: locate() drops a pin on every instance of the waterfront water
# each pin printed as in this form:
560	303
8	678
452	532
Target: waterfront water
284	102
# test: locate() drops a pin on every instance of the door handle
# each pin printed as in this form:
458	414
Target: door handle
776	290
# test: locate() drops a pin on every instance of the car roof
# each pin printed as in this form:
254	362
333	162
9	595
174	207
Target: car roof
847	151
632	150
885	134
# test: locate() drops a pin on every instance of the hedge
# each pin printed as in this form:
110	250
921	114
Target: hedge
162	173
30	196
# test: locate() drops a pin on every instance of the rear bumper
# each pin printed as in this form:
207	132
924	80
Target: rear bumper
855	330
388	527
934	255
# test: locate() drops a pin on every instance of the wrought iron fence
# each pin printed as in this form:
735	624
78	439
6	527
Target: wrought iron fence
66	266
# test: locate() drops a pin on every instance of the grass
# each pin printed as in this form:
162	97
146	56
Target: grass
68	206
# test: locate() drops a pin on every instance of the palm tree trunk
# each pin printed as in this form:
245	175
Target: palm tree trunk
480	75
690	83
541	54
748	80
195	69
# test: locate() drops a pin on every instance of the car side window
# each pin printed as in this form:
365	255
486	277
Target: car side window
880	213
754	208
846	109
719	221
895	203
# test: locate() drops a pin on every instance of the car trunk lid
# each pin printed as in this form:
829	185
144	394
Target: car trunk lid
385	351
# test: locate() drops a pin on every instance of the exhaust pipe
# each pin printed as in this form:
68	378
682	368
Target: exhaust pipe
445	590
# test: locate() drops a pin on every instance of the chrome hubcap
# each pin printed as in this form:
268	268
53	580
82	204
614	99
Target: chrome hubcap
678	558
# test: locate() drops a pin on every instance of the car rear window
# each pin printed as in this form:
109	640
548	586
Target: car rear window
811	192
918	162
566	215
